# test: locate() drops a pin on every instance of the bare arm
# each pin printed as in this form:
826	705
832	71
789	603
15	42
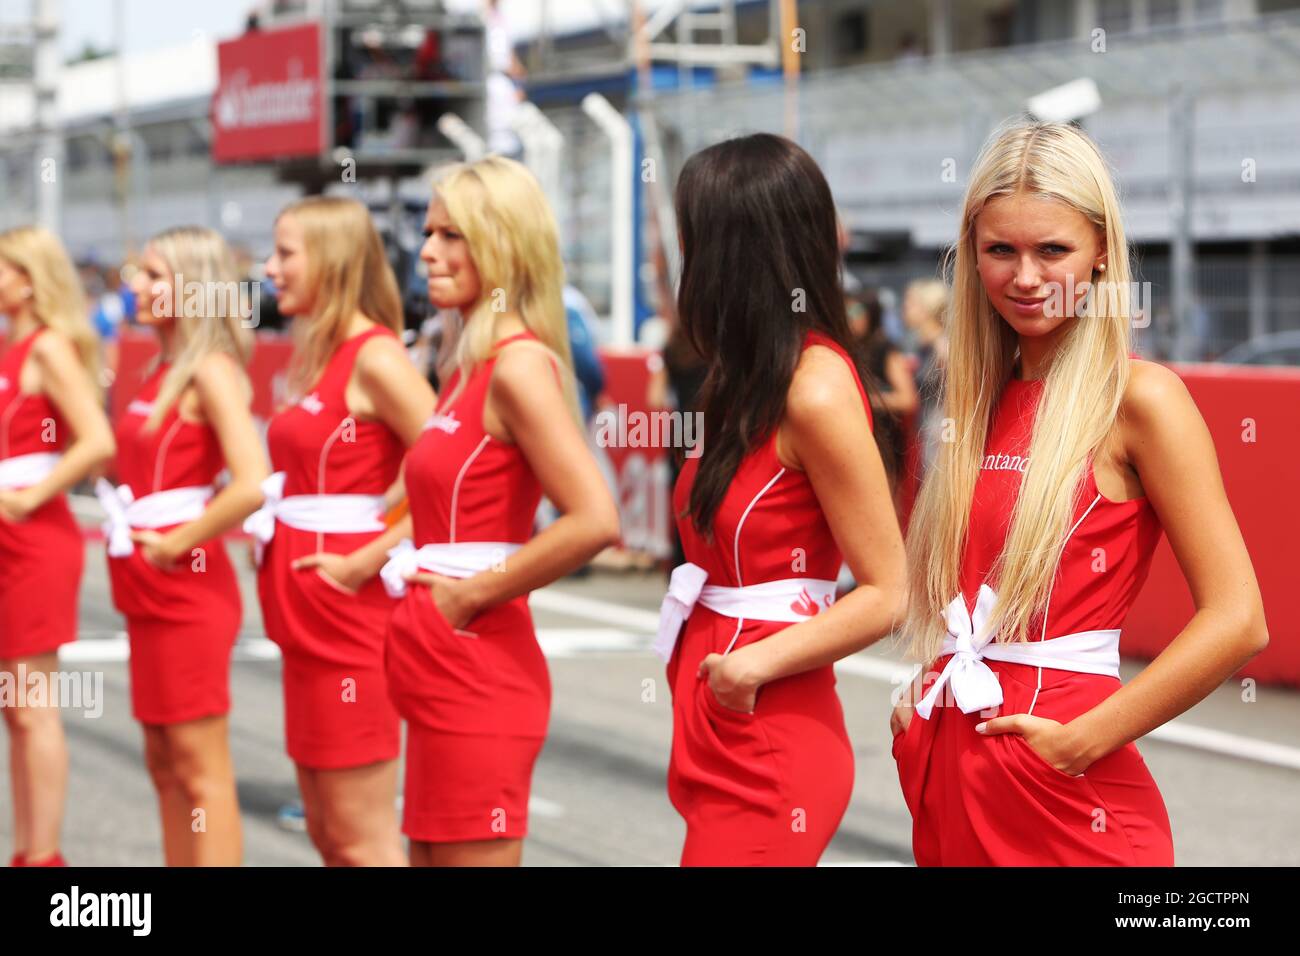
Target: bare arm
1170	447
387	387
903	398
527	399
827	435
353	570
65	381
221	392
393	390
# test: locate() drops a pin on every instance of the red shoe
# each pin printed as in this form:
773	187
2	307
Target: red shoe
55	860
17	860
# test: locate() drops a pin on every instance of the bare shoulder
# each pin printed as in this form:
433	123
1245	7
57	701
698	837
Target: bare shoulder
1153	394
216	372
522	367
380	357
822	384
54	349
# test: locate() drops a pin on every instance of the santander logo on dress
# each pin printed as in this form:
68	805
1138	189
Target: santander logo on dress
1000	461
444	423
311	404
807	605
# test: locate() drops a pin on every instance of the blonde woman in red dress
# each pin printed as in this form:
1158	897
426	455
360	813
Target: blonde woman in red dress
1066	459
357	404
172	579
53	434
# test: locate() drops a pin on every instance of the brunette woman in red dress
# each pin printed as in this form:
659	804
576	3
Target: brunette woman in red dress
789	485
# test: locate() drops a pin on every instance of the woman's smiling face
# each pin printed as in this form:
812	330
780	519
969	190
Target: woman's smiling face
1033	254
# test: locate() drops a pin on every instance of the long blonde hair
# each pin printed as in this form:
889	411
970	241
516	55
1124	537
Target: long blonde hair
58	299
1080	400
348	268
499	207
210	322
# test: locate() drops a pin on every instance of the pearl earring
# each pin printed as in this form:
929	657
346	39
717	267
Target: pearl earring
1101	267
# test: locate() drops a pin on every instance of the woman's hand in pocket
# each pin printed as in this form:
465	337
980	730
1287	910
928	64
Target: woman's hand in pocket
901	717
453	597
335	568
1053	741
734	679
158	549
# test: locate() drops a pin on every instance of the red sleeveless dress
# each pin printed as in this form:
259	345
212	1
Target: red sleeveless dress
476	707
337	711
41	559
767	788
182	622
993	801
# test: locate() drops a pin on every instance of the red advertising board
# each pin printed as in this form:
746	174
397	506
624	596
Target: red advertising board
270	95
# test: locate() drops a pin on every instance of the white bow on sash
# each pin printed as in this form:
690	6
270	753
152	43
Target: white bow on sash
684	589
117	529
454	559
261	523
974	685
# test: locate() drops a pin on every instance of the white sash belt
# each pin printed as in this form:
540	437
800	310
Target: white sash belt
162	508
974	685
328	514
459	559
23	471
788	601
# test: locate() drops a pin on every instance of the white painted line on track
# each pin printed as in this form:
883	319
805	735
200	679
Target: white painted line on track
579	641
898	673
573	642
593	609
1175	732
1233	745
540	806
877	668
558	642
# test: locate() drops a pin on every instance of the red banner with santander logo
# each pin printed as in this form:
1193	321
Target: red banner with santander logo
269	98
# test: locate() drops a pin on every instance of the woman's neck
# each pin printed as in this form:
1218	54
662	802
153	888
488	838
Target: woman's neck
507	325
1036	353
167	341
22	324
360	322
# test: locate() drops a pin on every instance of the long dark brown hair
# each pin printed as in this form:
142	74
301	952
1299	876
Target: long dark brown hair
760	268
